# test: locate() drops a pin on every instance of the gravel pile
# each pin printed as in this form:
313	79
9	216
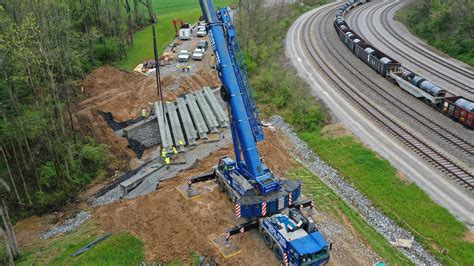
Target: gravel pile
352	196
109	197
145	132
68	225
339	235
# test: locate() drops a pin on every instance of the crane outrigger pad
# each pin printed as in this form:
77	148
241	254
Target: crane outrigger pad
188	193
192	192
226	247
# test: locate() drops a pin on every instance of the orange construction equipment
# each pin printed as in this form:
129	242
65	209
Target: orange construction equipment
182	25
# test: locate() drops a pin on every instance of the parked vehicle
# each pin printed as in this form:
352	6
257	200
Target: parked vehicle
182	25
201	31
185	32
183	56
203	44
198	54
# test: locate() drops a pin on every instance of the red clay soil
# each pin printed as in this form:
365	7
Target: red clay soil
125	94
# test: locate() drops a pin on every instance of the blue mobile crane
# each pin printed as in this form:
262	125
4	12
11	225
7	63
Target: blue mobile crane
250	184
267	202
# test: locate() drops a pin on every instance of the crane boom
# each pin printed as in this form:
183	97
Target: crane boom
247	180
244	113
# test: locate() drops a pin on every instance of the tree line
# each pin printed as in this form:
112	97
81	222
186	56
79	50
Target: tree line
447	25
45	48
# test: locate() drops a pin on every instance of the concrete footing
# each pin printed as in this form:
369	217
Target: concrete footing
226	247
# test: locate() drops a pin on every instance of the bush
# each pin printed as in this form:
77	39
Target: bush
447	25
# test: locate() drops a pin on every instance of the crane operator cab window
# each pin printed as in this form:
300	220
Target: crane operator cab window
315	258
226	165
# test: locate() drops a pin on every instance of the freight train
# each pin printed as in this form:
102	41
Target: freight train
458	108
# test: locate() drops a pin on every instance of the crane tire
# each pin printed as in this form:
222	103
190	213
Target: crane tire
268	240
278	252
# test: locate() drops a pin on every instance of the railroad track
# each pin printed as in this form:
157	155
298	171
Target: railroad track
430	154
401	53
447	64
430	124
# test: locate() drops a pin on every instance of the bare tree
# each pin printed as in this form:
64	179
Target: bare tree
10	175
126	5
149	7
10	233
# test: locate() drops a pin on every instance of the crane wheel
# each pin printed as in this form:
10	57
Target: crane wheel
278	252
268	240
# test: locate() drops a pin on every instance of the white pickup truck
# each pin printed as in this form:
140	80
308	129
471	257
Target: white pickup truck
201	31
183	56
198	54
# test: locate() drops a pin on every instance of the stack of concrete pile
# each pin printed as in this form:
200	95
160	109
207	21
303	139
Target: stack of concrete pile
181	123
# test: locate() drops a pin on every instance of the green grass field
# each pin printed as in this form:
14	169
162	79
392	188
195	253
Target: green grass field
118	249
165	10
329	202
404	202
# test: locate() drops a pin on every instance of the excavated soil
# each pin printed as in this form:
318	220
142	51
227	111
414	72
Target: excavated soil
125	94
172	227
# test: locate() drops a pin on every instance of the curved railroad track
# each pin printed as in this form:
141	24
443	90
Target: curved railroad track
384	120
463	86
460	70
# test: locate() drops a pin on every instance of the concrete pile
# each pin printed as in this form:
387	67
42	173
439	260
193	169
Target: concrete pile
192	117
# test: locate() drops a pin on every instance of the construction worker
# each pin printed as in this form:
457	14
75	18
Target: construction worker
181	143
175	151
144	113
164	154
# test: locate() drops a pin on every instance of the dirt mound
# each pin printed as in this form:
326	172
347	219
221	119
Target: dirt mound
124	94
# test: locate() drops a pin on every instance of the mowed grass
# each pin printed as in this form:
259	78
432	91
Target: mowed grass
118	249
165	11
404	202
327	201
